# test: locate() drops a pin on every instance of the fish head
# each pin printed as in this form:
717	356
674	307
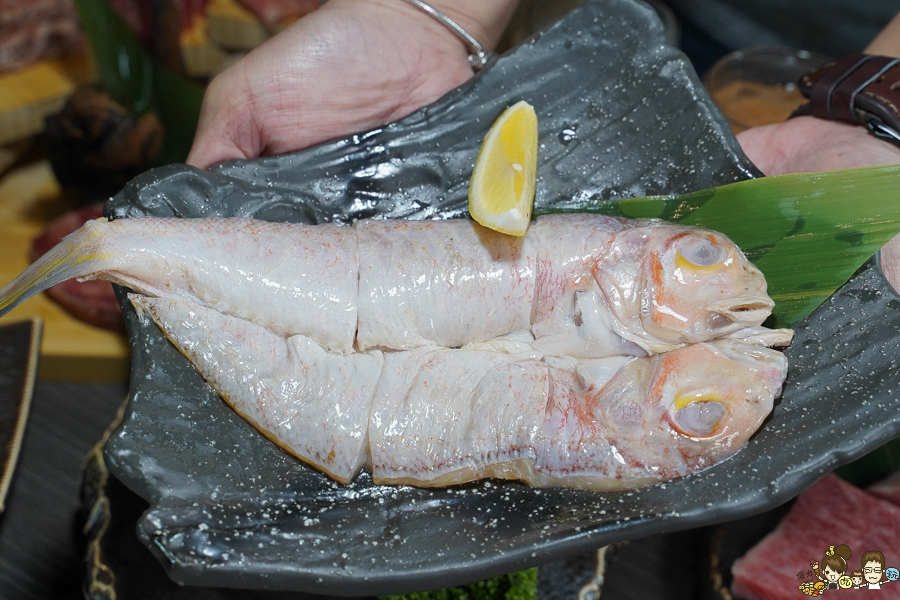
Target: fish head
712	397
700	285
683	285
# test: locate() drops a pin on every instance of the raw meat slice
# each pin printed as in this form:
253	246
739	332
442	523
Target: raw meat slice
35	30
887	489
830	513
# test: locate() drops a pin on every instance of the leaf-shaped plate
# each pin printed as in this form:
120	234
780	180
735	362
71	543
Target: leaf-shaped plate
621	115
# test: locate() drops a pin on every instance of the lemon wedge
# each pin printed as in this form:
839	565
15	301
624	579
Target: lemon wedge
501	194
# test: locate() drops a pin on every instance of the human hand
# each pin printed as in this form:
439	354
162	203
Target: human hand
809	144
350	66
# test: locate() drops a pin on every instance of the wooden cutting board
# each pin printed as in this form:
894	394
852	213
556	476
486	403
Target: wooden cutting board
71	350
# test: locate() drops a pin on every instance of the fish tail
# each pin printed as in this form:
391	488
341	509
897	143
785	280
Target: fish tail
74	256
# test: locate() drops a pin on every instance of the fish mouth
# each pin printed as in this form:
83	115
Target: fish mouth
744	309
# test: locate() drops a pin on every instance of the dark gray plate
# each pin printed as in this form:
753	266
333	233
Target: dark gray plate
621	115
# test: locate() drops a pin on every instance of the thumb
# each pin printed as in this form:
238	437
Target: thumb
227	128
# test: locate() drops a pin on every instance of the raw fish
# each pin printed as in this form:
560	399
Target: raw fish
291	279
445	283
446	416
582	285
312	403
442	416
593	352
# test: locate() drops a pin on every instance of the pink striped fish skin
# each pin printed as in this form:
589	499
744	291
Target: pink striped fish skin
444	416
583	285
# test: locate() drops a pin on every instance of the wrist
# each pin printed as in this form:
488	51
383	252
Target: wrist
887	43
863	89
485	20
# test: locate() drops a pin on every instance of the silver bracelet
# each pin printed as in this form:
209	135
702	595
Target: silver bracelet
478	58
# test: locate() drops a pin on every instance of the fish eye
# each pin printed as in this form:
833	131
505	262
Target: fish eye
702	252
699	419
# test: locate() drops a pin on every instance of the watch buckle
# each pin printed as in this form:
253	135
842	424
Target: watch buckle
878	128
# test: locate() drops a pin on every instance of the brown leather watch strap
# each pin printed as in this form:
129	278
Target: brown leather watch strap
862	89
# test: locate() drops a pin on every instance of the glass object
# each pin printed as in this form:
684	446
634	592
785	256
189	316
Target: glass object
758	86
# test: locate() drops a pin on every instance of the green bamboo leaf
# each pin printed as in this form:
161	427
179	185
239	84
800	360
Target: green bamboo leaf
125	68
807	232
136	81
178	106
875	465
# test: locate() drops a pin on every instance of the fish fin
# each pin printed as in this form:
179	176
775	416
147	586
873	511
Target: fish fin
72	257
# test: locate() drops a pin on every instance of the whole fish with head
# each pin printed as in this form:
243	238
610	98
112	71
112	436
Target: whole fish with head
579	285
437	416
437	352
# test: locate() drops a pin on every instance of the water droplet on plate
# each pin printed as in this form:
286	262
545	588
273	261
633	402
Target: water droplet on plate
567	135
